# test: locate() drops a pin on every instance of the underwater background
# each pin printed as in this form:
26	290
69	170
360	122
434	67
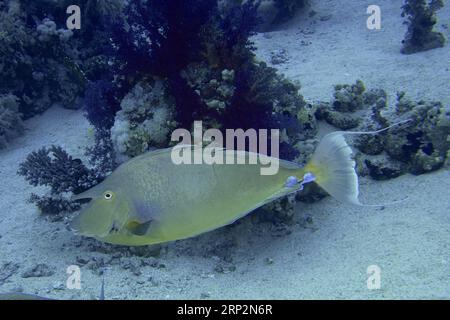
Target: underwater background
74	104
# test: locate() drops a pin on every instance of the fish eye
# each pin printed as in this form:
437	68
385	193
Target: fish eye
108	195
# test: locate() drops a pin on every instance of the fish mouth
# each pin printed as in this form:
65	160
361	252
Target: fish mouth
81	196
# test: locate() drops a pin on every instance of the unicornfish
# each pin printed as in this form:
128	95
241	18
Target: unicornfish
150	199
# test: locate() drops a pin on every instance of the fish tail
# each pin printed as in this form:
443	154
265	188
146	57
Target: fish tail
334	168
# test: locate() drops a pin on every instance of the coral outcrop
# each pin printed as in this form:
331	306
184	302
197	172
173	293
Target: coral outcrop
146	119
421	19
421	145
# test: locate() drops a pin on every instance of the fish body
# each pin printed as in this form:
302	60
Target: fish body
150	199
160	201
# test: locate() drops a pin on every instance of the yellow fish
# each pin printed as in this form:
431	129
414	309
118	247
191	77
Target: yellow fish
150	200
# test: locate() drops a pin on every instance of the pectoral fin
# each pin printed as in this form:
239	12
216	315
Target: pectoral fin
139	229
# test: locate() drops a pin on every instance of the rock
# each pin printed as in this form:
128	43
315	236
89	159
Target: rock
224	267
154	282
7	270
39	270
279	56
81	261
325	17
97	265
146	251
381	167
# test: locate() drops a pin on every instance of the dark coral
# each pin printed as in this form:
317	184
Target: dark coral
101	103
204	53
421	19
55	168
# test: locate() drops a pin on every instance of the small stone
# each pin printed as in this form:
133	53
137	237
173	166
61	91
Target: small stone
279	57
7	270
39	270
154	282
81	261
224	268
325	17
205	295
382	167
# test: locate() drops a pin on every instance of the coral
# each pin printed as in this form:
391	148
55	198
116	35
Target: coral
54	204
418	147
215	88
349	98
42	62
425	142
101	155
340	120
266	99
145	120
36	64
213	77
10	119
421	18
157	65
56	169
101	104
160	37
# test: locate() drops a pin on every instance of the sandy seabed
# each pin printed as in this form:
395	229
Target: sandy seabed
324	254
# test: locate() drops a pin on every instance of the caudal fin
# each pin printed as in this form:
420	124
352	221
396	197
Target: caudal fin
334	169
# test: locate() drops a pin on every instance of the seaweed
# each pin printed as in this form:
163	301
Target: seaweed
421	19
286	9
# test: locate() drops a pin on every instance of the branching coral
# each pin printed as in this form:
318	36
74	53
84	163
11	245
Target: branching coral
421	18
10	119
55	168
